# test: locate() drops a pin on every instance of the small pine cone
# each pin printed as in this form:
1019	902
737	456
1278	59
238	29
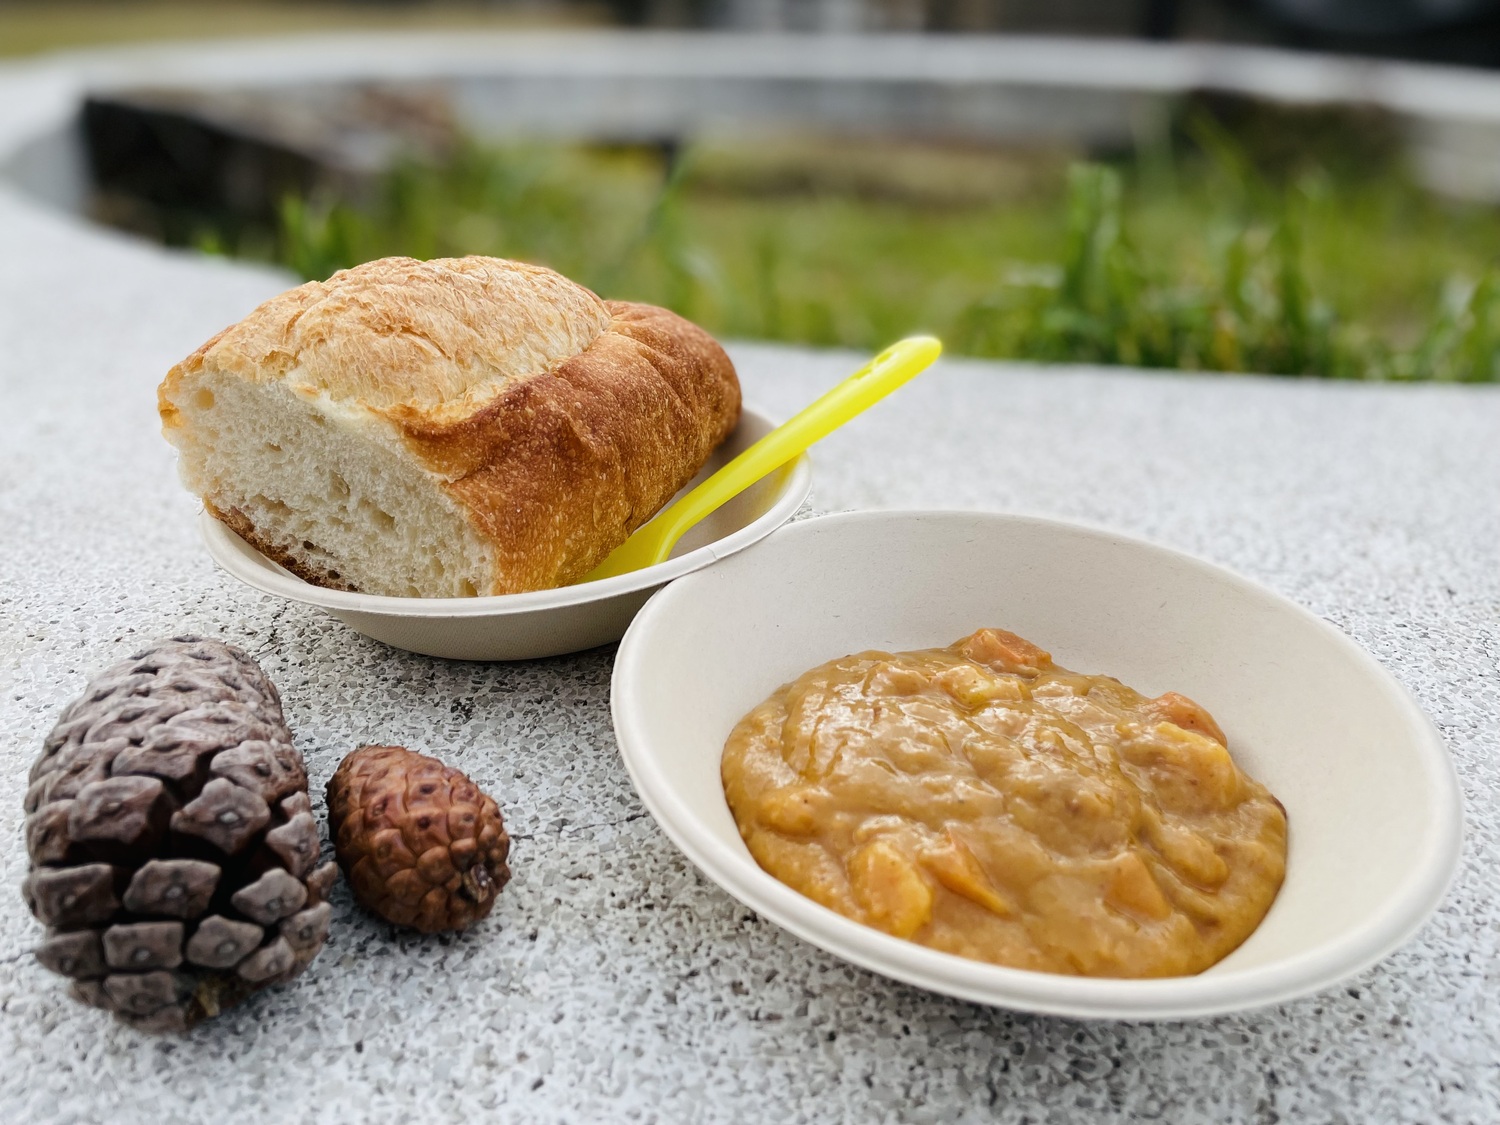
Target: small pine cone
173	849
419	843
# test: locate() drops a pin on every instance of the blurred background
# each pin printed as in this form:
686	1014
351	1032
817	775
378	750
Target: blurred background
1298	187
1448	30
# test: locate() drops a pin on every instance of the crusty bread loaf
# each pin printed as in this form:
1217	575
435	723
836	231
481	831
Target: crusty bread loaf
446	428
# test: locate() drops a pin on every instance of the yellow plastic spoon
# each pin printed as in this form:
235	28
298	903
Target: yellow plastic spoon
652	543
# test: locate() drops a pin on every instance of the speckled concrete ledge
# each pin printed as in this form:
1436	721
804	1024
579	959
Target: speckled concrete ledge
613	983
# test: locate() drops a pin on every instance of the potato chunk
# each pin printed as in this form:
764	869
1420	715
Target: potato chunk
891	888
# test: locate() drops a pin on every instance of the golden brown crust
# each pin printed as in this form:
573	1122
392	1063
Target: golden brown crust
559	469
440	337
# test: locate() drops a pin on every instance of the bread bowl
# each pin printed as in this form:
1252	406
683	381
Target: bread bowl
454	427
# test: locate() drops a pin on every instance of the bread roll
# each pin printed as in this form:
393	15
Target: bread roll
446	428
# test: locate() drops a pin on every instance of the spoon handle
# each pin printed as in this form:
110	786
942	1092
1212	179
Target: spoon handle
892	368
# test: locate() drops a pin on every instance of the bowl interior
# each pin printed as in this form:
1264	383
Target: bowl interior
1372	803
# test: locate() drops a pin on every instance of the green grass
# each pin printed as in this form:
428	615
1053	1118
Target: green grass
1197	255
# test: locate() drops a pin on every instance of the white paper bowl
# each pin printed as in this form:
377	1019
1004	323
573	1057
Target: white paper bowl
544	622
1373	805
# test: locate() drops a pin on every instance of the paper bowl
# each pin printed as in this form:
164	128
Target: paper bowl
1373	806
544	622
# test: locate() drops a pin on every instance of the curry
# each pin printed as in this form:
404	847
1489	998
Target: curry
981	800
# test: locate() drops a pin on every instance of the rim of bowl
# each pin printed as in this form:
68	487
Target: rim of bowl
1205	994
244	562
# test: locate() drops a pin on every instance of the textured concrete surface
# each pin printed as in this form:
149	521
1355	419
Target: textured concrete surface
612	982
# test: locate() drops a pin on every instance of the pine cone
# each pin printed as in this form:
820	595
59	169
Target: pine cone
173	848
419	843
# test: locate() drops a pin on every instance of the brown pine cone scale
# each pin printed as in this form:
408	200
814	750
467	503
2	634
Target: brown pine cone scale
173	850
419	843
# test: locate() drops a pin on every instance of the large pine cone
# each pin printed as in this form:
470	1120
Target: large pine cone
173	848
420	844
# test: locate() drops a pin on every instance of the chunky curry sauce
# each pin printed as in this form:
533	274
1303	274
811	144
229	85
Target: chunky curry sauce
981	800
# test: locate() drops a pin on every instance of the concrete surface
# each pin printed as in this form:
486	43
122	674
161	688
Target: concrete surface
613	983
